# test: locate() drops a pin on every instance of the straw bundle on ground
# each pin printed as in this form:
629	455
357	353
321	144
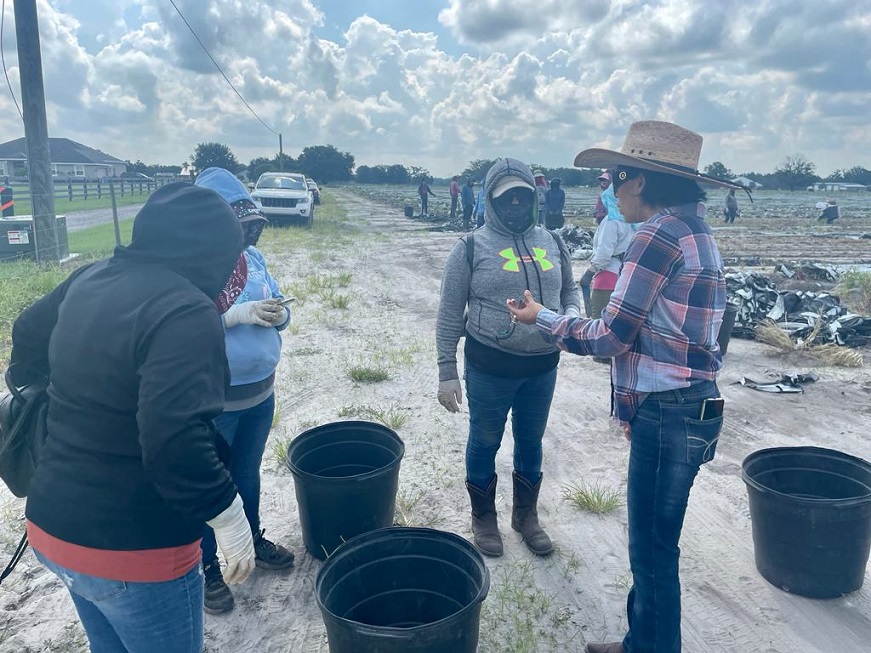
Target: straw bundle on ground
837	356
771	334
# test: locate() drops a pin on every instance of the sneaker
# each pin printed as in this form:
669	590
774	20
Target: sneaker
218	598
268	555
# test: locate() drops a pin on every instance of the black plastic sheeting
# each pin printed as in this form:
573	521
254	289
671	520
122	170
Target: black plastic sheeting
796	312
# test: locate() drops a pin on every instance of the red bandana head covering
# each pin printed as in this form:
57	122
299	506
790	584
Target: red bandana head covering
234	287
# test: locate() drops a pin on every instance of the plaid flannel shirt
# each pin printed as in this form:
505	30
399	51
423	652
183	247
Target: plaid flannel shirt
662	322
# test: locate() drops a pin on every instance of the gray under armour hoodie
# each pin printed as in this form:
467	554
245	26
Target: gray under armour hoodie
504	265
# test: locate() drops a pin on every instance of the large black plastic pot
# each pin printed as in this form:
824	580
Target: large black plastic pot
725	333
345	476
811	515
403	590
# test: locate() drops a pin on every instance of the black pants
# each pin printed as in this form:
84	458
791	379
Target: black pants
467	215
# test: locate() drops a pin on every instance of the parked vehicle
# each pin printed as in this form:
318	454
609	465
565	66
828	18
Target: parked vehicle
135	176
315	191
284	196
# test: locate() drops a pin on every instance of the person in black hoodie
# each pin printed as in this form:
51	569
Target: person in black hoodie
130	474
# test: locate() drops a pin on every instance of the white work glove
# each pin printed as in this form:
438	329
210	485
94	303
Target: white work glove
451	394
265	312
233	535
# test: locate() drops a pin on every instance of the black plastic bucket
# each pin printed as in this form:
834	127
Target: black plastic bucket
725	333
811	514
345	476
403	590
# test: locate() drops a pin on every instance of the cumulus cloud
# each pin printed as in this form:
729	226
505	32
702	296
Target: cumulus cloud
536	81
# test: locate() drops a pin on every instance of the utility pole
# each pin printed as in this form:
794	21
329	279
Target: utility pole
36	132
280	154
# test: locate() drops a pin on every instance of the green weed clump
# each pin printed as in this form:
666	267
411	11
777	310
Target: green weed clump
367	374
593	497
855	291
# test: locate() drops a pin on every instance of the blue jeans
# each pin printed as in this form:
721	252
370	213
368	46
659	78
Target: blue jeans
126	617
669	444
490	398
246	431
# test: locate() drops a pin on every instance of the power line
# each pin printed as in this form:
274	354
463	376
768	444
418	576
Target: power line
254	113
3	59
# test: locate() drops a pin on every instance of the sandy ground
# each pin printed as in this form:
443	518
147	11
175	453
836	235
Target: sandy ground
554	604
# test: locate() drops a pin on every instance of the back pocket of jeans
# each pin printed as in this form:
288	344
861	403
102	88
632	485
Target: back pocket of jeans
702	438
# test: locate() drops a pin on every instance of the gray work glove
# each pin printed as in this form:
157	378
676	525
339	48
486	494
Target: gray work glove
265	312
450	395
233	535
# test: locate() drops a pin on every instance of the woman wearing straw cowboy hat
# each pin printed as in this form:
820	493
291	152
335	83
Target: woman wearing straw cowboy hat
660	327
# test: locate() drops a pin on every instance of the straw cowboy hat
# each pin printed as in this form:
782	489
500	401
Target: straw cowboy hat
658	146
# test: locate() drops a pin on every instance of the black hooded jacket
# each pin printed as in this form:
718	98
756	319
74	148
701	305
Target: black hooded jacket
135	351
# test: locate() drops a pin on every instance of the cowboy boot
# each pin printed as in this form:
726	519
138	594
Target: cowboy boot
485	528
609	647
524	516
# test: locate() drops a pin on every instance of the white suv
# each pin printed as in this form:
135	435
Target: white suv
284	195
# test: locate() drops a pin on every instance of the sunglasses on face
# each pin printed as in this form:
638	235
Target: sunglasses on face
515	196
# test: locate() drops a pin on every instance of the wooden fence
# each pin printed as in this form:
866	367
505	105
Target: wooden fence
84	190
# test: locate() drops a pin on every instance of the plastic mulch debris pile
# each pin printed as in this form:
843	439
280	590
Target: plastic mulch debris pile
796	312
808	271
579	241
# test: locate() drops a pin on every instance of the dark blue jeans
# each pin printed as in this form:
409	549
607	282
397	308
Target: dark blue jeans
490	398
125	617
246	431
669	444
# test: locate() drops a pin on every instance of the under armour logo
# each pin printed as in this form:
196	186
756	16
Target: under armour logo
512	260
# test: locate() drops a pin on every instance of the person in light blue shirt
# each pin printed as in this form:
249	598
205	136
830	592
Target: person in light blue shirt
252	325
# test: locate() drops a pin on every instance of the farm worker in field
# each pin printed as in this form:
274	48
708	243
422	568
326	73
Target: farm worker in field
479	206
601	210
454	190
660	327
424	192
830	213
131	473
555	202
251	327
507	365
468	196
610	242
731	211
540	190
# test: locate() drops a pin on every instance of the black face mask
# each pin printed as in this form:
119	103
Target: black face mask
252	231
514	209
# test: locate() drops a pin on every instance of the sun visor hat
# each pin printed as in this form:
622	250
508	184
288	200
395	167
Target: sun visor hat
508	183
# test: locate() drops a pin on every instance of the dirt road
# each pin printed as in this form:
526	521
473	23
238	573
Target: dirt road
544	605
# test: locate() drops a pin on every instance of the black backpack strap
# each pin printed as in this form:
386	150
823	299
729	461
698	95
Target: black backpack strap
470	251
19	551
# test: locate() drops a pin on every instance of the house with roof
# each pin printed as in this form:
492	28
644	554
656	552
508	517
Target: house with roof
69	160
746	182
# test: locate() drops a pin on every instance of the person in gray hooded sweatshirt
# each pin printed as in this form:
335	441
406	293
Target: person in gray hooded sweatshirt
507	367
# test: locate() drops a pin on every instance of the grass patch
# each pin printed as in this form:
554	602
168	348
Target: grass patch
279	450
410	510
392	416
343	279
855	287
593	497
367	374
307	351
519	616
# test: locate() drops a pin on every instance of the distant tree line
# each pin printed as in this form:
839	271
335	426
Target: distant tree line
326	164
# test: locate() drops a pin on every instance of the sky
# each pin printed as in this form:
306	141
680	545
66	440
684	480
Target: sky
438	83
